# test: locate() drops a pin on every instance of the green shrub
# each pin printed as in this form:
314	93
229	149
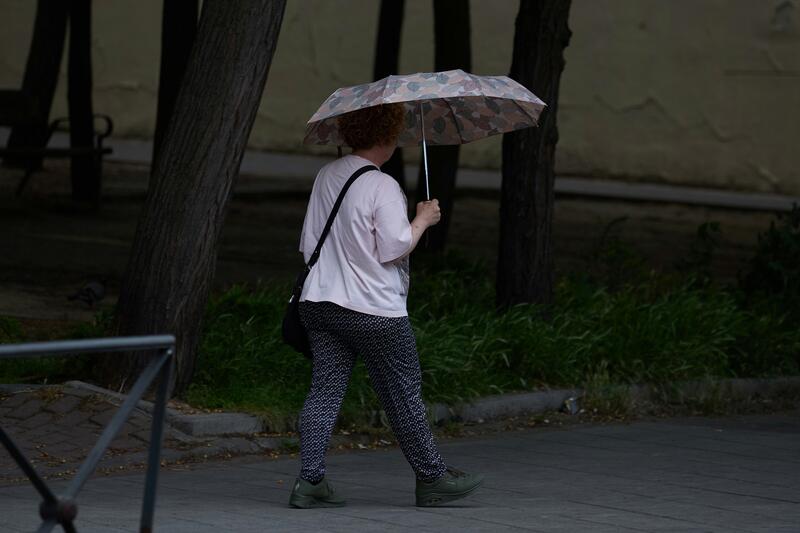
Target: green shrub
10	330
49	369
697	261
658	329
774	271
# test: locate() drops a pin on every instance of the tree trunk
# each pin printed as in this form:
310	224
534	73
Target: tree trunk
84	169
387	57
41	76
174	253
525	260
178	31
451	25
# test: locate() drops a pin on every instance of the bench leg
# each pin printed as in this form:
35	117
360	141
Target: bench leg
24	181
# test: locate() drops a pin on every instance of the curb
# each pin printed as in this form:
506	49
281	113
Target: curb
199	425
502	405
482	409
739	387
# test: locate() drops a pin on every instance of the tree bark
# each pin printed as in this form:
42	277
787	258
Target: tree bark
387	57
84	169
525	260
173	257
451	25
178	31
41	76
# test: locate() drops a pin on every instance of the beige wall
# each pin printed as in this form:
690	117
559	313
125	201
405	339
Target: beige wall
700	92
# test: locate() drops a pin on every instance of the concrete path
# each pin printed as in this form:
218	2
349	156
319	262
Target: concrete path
304	167
693	474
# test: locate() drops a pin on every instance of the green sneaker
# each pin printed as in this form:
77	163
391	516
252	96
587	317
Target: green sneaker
308	496
453	485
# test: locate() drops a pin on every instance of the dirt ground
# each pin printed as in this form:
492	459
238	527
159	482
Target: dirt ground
50	248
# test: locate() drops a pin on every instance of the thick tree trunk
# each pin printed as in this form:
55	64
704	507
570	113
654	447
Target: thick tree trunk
84	169
172	261
451	25
525	260
387	57
41	75
178	31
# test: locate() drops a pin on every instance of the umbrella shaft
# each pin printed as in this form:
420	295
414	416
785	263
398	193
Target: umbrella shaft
424	153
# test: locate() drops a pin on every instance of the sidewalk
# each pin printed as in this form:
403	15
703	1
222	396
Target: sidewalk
301	169
693	474
304	167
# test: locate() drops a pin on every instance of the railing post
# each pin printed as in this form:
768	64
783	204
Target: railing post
156	438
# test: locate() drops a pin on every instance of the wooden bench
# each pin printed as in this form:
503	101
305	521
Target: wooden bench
18	109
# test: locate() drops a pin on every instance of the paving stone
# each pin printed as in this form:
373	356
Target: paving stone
102	418
93	404
26	409
142	435
139	421
127	443
16	400
39	419
40	433
76	439
63	405
88	426
73	418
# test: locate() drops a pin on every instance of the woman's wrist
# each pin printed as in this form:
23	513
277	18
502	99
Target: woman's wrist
419	224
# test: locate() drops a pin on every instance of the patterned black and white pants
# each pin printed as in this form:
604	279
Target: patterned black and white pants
389	350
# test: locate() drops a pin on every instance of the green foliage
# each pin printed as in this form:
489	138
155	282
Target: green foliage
654	329
621	324
49	369
10	330
242	362
615	262
773	278
698	261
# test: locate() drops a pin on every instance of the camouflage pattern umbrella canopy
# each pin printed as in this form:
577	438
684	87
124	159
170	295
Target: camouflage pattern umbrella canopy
454	107
450	107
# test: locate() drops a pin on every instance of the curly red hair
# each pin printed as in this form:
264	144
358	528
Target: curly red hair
371	126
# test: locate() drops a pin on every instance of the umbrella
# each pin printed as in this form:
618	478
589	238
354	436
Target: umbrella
450	107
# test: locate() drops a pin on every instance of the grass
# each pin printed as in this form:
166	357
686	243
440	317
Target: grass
661	328
47	369
621	324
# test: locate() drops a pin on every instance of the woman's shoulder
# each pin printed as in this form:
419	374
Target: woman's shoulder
344	167
387	189
374	183
382	180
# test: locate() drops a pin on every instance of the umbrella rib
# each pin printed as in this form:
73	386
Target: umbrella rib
385	84
455	119
314	128
524	112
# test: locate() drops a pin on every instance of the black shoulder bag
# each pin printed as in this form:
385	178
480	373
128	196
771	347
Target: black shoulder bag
294	334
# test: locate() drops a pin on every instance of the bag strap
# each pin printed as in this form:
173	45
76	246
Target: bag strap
354	177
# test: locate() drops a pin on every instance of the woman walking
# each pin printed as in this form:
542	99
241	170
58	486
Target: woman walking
354	304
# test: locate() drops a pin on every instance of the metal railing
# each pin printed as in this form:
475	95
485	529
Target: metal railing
63	509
